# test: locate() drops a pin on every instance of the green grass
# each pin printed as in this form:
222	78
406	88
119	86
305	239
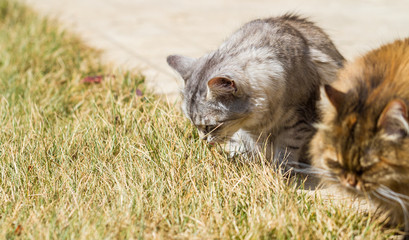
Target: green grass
93	161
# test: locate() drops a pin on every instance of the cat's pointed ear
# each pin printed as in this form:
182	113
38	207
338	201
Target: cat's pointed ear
394	120
337	98
183	65
221	86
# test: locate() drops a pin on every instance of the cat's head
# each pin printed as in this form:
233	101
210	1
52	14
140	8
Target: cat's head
213	96
363	143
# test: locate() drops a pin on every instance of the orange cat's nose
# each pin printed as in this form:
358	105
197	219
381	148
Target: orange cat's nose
350	180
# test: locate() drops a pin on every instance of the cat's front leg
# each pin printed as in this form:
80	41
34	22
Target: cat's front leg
291	144
241	143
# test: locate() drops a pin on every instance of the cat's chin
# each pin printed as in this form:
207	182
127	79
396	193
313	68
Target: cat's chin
361	193
214	141
354	191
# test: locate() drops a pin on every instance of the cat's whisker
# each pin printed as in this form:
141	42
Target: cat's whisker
394	196
221	87
381	196
313	172
374	107
308	169
333	184
301	164
214	129
384	188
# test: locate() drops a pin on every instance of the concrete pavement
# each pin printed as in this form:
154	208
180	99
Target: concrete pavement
139	34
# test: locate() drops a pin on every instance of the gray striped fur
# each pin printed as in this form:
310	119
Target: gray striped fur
274	68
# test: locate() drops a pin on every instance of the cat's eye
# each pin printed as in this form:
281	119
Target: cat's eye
206	129
210	128
331	163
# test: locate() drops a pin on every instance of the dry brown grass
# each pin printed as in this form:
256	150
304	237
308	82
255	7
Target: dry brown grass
93	161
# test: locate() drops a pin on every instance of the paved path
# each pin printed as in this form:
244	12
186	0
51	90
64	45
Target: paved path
139	34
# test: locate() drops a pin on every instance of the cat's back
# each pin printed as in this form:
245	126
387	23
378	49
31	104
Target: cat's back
275	33
392	61
380	74
315	37
390	53
285	32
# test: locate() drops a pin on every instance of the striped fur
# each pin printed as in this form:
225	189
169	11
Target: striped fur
362	145
259	88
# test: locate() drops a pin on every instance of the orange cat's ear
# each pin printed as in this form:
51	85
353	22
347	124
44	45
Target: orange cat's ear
336	97
394	120
221	86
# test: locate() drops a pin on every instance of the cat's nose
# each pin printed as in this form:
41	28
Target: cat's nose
351	180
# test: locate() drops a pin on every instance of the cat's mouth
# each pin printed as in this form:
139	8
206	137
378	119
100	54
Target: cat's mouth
353	185
212	140
360	188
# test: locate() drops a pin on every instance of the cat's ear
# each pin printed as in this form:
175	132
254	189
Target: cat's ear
394	120
221	86
337	98
183	65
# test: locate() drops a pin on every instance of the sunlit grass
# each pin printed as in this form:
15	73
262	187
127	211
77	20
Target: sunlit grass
97	161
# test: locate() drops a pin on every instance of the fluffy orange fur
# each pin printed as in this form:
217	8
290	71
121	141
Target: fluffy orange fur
362	143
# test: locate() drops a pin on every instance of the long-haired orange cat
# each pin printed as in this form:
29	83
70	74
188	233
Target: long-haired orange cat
362	144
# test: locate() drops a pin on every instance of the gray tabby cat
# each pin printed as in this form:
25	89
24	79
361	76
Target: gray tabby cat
258	91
